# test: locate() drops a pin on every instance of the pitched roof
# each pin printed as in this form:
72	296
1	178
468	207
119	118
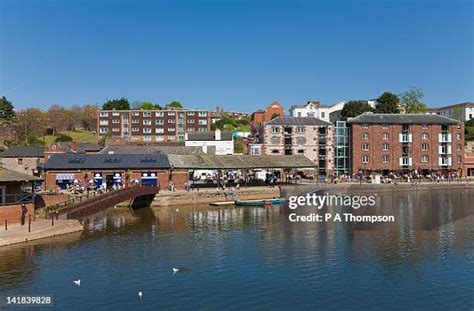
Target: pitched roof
297	121
208	136
10	176
399	118
239	161
130	149
23	152
69	161
466	104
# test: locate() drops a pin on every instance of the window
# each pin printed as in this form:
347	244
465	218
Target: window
385	126
405	127
20	161
425	147
147	114
146	122
385	136
300	151
171	121
190	121
159	113
458	136
365	147
104	114
275	151
424	126
365	136
424	159
160	122
300	129
385	147
365	125
385	158
424	136
275	140
323	114
459	159
104	130
365	159
171	113
159	138
171	137
458	126
135	129
115	121
115	114
147	130
147	138
459	148
202	113
171	129
135	114
405	161
275	129
159	130
300	140
299	114
115	130
104	122
190	113
202	122
311	114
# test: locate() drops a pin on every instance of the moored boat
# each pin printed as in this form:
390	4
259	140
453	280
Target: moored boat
263	202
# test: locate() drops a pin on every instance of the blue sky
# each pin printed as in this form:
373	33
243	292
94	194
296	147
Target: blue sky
240	55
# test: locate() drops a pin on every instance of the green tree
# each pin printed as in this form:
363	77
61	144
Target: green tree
149	106
411	100
33	140
238	145
175	104
354	108
117	104
6	110
388	103
63	137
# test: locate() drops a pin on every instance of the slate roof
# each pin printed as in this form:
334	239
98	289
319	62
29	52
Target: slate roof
466	104
239	161
11	176
67	161
127	149
23	152
397	118
297	121
208	136
82	148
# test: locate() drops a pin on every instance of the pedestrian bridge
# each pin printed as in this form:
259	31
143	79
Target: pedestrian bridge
80	208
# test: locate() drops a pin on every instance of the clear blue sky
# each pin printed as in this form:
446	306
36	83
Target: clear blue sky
240	55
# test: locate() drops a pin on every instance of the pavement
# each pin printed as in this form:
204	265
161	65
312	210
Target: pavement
40	229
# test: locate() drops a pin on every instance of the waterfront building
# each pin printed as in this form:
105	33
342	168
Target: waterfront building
16	195
460	112
314	109
406	142
23	159
152	126
213	142
273	110
308	136
149	149
342	157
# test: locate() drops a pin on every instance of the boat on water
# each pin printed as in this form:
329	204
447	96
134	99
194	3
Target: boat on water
263	202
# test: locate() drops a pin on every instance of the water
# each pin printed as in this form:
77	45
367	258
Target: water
254	258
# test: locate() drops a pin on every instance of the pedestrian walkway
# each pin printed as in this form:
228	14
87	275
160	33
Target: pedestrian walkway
40	229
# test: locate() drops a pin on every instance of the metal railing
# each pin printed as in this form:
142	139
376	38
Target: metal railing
17	198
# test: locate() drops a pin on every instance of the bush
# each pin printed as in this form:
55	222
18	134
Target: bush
63	137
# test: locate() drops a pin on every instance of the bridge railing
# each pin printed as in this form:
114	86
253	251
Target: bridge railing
93	197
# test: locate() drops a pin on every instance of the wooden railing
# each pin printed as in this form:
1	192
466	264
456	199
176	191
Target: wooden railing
99	202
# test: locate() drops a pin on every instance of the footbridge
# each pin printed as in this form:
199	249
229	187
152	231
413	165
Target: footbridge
79	208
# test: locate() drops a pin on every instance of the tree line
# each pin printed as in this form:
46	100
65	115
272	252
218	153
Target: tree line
124	104
408	102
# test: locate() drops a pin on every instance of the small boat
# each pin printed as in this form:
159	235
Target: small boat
264	202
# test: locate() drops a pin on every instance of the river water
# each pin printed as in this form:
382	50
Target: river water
255	258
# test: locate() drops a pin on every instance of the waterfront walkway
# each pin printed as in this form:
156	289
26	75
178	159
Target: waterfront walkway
40	229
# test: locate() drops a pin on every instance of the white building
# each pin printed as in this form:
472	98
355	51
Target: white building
313	108
217	142
461	112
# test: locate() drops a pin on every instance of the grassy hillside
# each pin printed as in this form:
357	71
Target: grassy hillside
81	137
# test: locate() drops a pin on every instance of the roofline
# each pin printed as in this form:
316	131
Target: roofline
398	114
470	104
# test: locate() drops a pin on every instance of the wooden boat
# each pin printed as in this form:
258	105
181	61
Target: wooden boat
262	203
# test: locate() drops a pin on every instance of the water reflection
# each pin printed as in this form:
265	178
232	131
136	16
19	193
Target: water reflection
258	254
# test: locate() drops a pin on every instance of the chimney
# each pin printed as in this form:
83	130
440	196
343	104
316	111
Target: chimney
218	109
217	134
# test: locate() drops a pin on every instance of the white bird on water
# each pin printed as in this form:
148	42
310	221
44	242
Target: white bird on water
175	270
77	282
140	294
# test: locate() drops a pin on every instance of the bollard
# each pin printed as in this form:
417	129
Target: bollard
52	221
29	222
6	224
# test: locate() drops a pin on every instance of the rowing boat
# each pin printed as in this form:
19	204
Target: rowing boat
263	202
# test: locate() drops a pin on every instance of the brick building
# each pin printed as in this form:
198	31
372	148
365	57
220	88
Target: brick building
152	126
274	109
308	136
406	142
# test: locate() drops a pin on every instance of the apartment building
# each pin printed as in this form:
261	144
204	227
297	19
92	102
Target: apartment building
311	137
460	112
152	126
406	142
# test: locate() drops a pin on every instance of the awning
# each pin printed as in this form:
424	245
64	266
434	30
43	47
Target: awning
64	176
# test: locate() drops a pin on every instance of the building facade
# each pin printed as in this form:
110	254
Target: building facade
211	142
152	126
273	110
342	155
312	109
311	137
23	159
406	142
460	112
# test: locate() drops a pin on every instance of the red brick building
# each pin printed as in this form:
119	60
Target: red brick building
406	142
273	110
